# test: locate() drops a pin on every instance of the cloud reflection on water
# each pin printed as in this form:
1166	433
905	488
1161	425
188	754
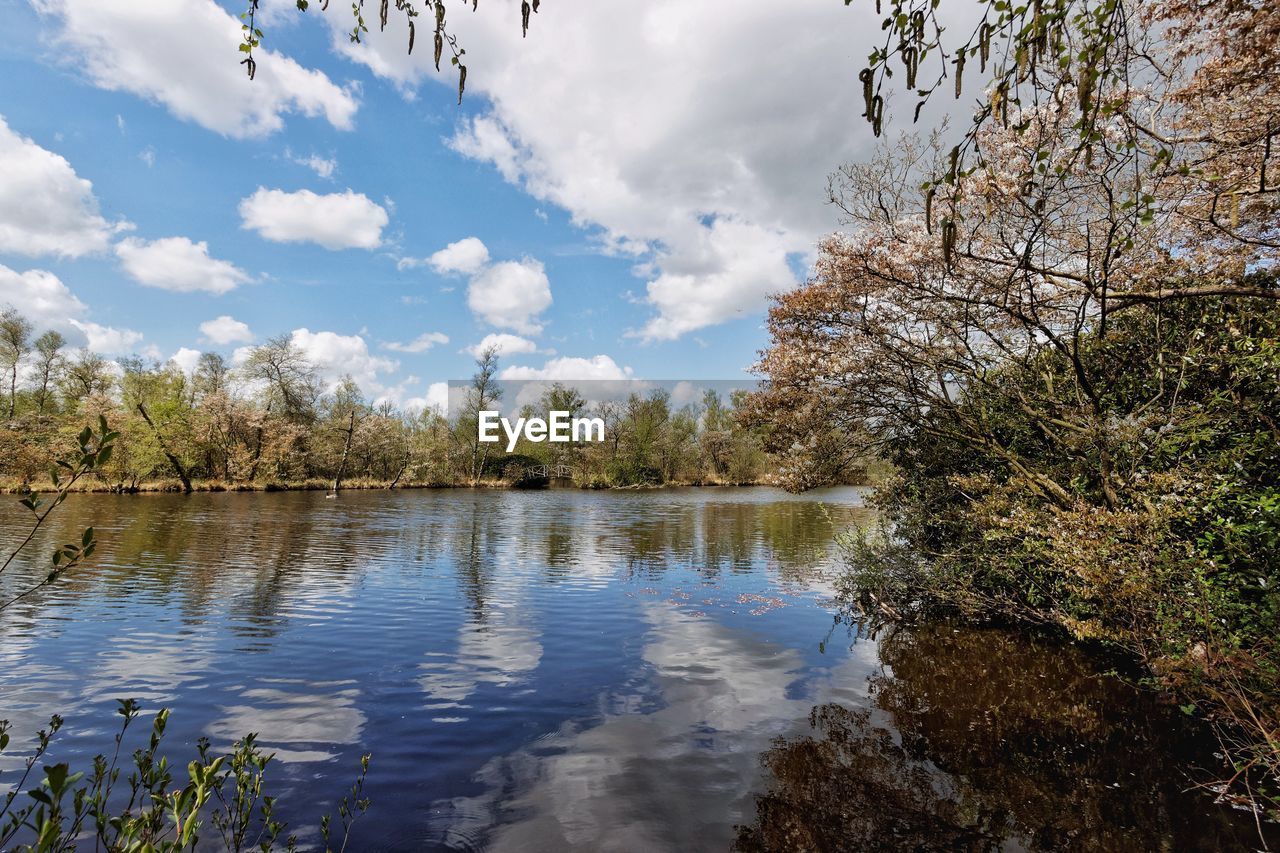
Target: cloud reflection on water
294	716
623	783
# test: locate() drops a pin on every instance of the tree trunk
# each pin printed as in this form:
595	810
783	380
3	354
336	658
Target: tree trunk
164	448
404	463
257	450
346	451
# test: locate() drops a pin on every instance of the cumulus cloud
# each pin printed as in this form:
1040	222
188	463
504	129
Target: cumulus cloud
48	303
700	152
181	54
107	339
346	220
435	400
511	295
712	274
40	296
336	356
503	343
507	294
178	264
45	207
421	343
187	359
569	368
466	256
226	329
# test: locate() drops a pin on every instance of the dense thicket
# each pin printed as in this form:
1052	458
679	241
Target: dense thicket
1183	572
1063	333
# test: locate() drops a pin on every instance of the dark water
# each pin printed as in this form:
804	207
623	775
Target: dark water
586	671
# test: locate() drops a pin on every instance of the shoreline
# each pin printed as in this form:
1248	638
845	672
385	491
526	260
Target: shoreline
212	486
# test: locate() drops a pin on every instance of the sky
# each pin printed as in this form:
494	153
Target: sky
618	194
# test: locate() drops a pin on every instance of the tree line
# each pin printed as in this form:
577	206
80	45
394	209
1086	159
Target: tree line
269	422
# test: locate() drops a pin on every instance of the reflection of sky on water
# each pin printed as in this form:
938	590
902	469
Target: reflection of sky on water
623	783
499	651
292	716
564	660
561	670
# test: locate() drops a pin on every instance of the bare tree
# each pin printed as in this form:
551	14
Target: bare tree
49	363
291	387
15	345
85	375
483	394
210	375
348	410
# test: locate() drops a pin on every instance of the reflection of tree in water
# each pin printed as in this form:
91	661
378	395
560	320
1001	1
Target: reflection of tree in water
474	561
995	739
559	547
853	788
797	535
717	538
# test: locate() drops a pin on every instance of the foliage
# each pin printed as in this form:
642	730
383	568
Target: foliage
1062	334
435	10
1182	92
1183	573
270	423
153	808
92	452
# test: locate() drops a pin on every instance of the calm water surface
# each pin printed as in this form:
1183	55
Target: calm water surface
566	670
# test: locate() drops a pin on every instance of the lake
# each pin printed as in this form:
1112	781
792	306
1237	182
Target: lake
568	670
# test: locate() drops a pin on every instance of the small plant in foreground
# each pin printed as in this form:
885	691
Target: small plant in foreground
153	809
157	812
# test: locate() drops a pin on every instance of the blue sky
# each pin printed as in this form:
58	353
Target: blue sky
623	189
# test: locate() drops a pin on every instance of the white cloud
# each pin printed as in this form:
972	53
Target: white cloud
568	368
183	54
421	343
186	359
45	207
41	297
346	220
178	264
337	355
467	256
714	274
225	330
240	355
436	400
438	397
511	294
505	344
324	167
486	139
107	339
665	160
